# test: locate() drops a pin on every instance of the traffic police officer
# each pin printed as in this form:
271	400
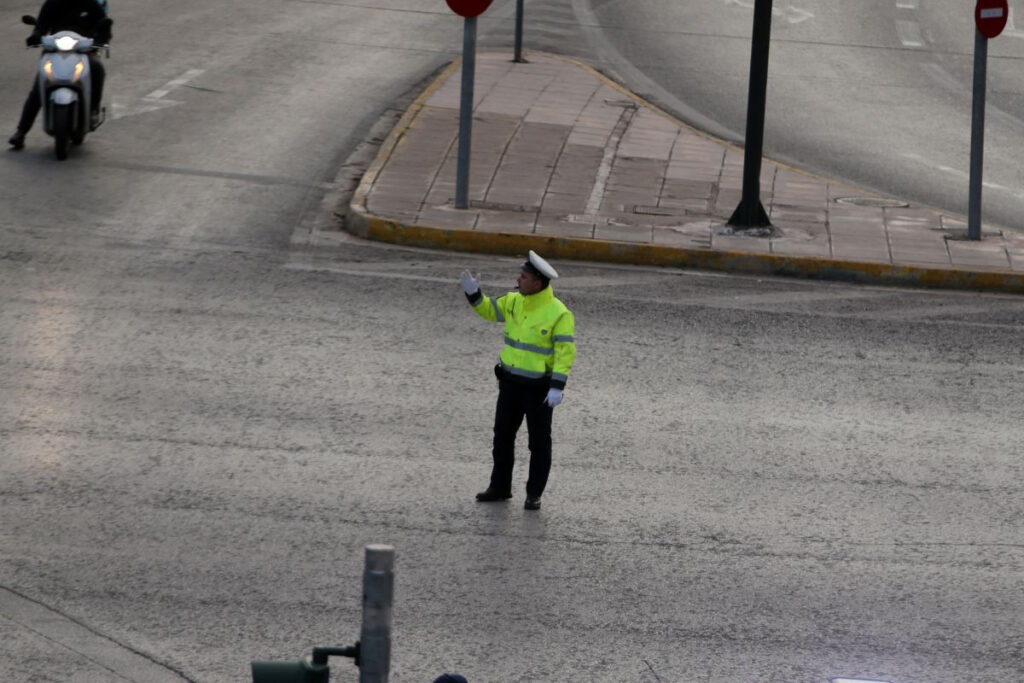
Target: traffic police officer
540	348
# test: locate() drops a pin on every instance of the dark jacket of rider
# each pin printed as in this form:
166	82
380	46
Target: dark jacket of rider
81	16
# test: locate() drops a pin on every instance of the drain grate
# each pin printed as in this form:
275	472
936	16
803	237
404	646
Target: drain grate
647	210
955	235
503	206
873	202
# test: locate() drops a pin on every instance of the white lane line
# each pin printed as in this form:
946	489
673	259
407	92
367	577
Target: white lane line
906	4
189	75
1011	28
604	172
793	15
964	175
909	33
154	101
120	109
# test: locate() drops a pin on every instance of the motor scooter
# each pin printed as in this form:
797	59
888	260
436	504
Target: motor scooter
65	87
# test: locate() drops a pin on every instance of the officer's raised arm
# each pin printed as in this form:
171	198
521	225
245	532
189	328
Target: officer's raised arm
487	308
470	284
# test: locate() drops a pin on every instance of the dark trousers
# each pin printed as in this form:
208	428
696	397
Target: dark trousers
34	101
516	401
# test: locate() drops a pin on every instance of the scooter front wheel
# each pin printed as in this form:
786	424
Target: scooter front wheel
62	122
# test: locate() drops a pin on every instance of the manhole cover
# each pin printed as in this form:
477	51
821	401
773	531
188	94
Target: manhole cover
874	202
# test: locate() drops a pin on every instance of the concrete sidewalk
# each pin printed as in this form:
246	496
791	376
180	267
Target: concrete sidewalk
572	165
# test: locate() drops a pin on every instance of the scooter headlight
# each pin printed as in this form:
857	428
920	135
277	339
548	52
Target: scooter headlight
48	69
66	43
79	68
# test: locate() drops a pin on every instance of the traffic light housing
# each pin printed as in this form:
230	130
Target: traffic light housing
302	671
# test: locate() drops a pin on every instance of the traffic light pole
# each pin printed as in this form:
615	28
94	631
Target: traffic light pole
378	597
977	136
466	114
519	33
750	213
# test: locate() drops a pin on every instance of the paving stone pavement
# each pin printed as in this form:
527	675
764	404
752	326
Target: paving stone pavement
568	162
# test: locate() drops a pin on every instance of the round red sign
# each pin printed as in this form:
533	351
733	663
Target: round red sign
469	8
991	17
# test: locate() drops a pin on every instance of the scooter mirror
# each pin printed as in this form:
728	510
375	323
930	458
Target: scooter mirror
28	19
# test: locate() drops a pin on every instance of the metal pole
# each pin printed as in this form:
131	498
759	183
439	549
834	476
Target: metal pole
378	596
519	32
977	136
750	213
466	114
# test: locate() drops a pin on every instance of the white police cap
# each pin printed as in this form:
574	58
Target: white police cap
540	266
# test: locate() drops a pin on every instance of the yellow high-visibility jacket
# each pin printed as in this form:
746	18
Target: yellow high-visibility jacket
540	342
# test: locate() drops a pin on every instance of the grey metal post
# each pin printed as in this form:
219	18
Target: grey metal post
519	31
466	114
977	136
378	596
750	213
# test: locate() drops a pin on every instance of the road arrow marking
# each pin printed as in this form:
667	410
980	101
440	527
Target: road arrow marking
154	101
120	109
189	75
793	15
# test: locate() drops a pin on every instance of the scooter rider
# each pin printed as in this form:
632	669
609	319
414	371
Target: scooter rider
86	17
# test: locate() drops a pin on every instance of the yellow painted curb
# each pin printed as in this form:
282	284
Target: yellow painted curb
361	223
511	244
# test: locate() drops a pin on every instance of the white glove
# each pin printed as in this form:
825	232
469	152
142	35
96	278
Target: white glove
554	397
470	284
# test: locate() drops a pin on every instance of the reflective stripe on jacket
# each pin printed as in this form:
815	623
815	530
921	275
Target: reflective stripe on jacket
540	342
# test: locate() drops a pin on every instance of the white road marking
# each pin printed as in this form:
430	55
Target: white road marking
909	33
906	4
154	101
793	15
1011	29
604	172
189	75
120	109
964	175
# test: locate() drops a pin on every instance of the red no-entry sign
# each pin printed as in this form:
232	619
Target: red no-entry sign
469	8
991	17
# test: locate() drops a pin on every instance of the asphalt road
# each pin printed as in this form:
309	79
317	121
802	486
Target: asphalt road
877	92
205	421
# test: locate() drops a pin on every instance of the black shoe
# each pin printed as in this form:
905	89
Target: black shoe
17	141
532	503
492	496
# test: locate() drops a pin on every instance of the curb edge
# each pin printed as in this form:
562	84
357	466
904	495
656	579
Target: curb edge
363	224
